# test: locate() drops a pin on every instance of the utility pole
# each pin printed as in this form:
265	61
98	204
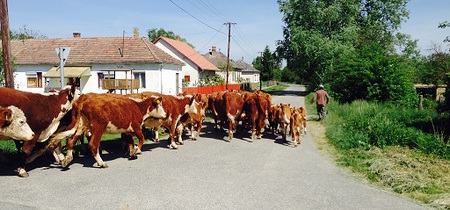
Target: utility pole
228	51
7	63
260	78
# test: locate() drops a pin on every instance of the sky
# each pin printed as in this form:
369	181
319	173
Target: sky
256	23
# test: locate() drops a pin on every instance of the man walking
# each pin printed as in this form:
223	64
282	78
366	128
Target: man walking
322	98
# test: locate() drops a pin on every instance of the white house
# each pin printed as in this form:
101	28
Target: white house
238	72
96	64
196	66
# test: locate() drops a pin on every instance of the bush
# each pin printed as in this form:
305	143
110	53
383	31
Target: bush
363	124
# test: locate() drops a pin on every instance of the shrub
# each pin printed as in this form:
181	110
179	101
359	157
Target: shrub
363	124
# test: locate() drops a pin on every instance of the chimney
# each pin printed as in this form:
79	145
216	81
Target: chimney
177	38
135	32
76	35
213	49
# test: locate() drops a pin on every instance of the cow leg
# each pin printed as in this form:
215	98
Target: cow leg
199	128
69	156
59	156
155	129
27	147
141	138
130	144
172	144
94	144
179	133
230	130
253	129
192	131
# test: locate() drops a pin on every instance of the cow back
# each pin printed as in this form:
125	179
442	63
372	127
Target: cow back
43	111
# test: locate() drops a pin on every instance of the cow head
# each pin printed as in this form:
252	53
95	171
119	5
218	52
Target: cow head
156	109
13	124
191	108
285	112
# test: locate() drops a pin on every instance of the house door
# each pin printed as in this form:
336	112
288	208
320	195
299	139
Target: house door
177	84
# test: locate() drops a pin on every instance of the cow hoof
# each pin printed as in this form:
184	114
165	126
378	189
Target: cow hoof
104	165
23	173
156	140
181	142
133	157
65	163
137	150
173	146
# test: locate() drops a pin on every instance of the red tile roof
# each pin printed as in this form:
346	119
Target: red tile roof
189	53
88	51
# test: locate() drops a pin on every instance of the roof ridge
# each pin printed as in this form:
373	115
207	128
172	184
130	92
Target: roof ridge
148	47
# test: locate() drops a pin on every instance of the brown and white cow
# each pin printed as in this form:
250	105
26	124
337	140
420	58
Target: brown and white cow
43	111
216	103
274	120
13	124
229	109
284	119
302	110
254	113
109	113
191	120
296	126
175	107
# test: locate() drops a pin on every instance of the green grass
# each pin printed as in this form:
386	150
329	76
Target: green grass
397	149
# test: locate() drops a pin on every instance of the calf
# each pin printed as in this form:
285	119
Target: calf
296	126
109	113
13	124
302	111
43	111
284	119
274	112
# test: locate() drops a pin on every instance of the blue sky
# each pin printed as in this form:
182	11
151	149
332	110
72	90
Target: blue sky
258	22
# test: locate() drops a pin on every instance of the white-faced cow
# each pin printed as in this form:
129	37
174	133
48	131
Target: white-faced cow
13	124
175	107
284	119
109	113
43	111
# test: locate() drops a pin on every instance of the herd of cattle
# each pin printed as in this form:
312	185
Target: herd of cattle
39	122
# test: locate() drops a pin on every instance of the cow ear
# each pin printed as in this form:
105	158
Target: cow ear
6	115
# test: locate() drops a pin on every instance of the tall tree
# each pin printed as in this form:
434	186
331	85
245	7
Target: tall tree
267	64
321	35
155	33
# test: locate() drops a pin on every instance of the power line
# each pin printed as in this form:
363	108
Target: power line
196	17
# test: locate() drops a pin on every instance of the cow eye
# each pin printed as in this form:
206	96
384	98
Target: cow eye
22	122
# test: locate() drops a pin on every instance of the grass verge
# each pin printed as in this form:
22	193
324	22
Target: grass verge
410	170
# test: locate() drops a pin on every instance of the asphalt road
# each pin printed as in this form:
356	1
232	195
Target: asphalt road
206	174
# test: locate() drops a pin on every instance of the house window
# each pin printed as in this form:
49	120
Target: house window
141	77
187	78
34	80
102	76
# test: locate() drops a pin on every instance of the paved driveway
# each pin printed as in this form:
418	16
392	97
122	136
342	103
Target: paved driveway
206	174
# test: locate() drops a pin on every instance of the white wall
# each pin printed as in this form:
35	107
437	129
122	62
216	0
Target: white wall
188	69
158	77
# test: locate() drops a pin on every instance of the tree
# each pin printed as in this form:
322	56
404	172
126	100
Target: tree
21	33
267	64
155	33
325	41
